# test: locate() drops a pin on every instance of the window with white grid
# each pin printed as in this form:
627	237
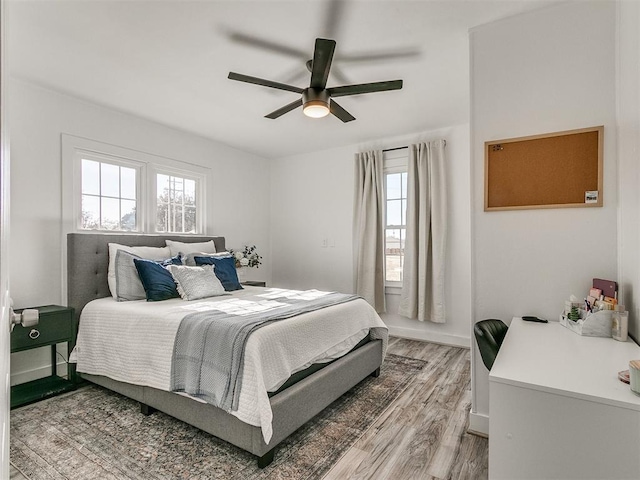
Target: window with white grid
110	193
111	188
395	193
177	204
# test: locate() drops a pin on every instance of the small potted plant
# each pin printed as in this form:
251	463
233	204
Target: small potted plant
248	257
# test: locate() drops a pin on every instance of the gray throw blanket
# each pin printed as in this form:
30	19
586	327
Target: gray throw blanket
208	354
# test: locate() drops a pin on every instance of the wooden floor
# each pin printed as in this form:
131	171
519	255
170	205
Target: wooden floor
422	435
16	475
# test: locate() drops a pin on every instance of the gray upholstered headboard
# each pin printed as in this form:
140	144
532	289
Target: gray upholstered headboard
88	261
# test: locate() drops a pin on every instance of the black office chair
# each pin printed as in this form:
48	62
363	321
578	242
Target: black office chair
489	335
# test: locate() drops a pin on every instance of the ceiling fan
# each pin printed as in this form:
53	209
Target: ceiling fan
317	100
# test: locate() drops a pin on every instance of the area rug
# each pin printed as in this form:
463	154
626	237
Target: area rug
94	433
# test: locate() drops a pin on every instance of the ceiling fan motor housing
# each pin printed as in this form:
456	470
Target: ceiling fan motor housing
315	102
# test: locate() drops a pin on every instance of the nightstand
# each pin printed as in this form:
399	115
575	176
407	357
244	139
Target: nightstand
254	283
56	325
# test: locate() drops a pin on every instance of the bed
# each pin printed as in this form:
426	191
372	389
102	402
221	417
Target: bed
294	403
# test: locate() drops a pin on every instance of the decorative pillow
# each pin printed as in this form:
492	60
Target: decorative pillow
157	281
152	253
128	284
225	270
189	258
184	248
196	282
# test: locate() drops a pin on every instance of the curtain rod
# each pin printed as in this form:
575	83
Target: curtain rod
400	148
394	148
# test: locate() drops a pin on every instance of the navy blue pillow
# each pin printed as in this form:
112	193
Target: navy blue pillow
157	281
225	270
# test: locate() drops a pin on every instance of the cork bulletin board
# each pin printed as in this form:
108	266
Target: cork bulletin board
554	170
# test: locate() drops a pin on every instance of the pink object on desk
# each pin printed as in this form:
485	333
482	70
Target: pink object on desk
623	376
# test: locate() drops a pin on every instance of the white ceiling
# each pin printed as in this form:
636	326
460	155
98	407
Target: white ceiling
168	62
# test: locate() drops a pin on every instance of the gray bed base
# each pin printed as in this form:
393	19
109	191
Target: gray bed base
87	263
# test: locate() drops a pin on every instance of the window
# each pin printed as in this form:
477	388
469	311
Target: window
110	188
176	204
395	230
395	193
109	196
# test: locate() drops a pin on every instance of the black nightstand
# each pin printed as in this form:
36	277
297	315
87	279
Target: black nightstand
55	326
254	283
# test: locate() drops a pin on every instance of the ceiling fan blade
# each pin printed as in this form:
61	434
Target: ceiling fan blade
295	75
365	88
287	108
322	56
378	56
268	45
265	83
338	75
333	17
340	112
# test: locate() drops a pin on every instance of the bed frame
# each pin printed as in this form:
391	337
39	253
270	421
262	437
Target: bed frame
87	264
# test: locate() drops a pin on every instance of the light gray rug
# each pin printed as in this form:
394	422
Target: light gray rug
97	434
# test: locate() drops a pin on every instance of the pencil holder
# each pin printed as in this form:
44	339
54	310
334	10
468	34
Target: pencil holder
593	324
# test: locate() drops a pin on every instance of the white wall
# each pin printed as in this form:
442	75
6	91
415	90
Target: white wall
628	102
238	200
312	199
544	71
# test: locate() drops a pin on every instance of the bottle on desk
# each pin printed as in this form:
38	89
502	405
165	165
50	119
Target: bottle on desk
620	324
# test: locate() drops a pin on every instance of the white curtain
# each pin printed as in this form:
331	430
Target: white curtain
368	228
423	295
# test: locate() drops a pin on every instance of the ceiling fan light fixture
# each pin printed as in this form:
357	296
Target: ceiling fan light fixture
315	109
315	103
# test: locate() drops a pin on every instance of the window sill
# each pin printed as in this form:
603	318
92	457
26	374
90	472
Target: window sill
393	289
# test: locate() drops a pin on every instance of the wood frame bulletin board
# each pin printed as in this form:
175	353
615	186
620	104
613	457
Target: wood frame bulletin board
554	170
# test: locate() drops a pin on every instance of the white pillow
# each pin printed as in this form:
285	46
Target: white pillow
196	282
150	253
185	247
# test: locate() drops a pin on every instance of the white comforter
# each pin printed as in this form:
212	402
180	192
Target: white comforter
133	342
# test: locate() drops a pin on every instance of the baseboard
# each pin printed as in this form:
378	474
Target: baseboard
478	424
442	338
40	372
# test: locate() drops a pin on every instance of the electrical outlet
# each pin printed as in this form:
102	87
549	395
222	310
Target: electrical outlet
324	243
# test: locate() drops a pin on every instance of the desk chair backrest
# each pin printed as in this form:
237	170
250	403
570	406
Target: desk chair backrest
489	336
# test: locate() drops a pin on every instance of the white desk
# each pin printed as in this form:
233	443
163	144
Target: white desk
557	409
